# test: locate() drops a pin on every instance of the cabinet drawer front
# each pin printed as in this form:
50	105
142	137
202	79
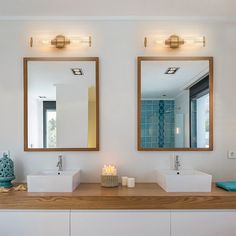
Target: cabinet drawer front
200	223
125	223
34	223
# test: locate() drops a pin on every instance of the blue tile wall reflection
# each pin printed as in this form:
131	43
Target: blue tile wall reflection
157	123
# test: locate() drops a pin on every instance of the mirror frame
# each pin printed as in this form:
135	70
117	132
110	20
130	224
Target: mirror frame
139	61
25	62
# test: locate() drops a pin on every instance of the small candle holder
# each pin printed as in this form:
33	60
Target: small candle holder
109	181
109	177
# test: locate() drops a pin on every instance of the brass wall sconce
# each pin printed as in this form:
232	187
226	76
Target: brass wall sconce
174	41
60	41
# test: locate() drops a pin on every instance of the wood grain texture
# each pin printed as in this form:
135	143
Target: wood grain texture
143	196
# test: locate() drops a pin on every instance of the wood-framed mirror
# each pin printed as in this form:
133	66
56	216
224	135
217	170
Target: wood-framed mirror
61	104
175	103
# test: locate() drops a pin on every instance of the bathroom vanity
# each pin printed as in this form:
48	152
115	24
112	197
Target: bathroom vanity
175	113
119	211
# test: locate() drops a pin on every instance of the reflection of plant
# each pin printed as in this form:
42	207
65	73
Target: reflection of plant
52	133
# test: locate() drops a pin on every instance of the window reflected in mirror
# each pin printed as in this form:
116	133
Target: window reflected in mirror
175	103
199	113
49	124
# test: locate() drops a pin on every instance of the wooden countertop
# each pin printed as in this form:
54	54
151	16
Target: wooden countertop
143	196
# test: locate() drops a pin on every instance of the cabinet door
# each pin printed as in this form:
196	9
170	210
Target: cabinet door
120	223
201	223
34	223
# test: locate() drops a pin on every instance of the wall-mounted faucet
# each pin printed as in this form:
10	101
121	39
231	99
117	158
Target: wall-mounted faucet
59	163
177	163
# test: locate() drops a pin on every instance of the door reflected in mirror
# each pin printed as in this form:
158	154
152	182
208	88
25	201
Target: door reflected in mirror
175	97
61	104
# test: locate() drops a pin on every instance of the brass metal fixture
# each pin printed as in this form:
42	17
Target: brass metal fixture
145	42
174	41
31	42
60	41
90	41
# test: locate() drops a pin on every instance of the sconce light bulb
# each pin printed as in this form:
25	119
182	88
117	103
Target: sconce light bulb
46	41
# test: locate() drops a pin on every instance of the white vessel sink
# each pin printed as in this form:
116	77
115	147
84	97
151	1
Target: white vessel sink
184	181
53	181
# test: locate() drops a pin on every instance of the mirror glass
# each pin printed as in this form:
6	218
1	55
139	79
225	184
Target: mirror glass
61	104
175	103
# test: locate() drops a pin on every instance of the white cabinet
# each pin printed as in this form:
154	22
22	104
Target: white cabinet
117	223
120	223
34	223
203	223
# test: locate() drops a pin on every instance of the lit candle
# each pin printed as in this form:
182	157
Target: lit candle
109	170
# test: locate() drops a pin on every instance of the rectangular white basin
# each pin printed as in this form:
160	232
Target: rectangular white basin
184	181
53	181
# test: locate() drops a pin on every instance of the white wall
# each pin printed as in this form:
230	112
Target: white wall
118	43
118	8
35	122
